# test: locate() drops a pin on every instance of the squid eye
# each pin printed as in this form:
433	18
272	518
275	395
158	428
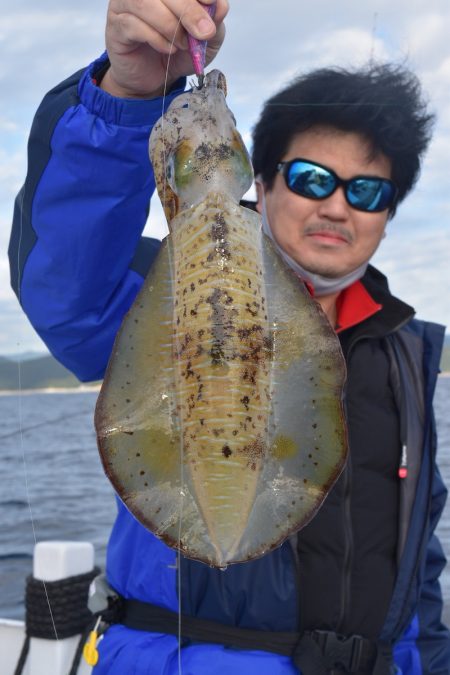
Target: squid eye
170	173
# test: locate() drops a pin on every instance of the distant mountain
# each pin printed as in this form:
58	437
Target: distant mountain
38	372
25	356
445	361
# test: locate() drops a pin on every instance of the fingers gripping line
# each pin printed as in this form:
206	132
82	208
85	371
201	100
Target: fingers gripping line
133	22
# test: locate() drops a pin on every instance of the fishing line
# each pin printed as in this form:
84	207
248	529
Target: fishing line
374	35
19	375
336	104
177	346
44	423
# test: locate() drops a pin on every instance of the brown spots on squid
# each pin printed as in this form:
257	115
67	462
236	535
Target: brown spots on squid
189	372
254	452
248	375
208	156
256	352
244	333
222	324
183	346
219	235
220	251
252	308
245	401
217	354
209	152
219	229
226	451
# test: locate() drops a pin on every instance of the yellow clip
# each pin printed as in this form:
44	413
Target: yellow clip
90	652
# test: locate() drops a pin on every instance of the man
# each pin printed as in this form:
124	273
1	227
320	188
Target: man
334	153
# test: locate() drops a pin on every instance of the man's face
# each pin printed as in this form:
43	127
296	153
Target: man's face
327	237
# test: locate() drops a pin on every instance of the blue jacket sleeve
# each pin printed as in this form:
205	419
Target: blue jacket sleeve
79	217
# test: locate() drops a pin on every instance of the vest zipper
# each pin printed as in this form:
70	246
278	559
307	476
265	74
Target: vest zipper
349	548
295	556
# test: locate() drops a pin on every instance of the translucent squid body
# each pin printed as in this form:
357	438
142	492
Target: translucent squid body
220	420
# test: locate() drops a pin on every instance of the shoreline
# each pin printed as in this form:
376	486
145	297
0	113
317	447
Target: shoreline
82	389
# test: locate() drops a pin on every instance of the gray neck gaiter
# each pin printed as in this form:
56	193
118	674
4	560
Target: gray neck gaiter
321	285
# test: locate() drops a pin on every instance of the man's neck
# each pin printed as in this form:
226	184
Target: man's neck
329	306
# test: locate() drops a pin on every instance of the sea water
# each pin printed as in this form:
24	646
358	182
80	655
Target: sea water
52	485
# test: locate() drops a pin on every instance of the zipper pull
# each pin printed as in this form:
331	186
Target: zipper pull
403	468
90	652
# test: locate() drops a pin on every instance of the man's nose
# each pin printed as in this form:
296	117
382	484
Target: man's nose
334	207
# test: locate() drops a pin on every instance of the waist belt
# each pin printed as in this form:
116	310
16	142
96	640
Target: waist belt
313	652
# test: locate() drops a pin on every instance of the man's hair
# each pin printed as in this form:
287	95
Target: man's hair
384	103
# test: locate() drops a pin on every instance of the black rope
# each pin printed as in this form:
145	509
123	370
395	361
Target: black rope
69	613
67	599
23	656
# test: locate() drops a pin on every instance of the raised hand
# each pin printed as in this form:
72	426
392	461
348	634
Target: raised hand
147	40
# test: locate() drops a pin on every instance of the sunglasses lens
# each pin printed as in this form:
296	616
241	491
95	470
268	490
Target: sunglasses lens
313	181
370	194
310	180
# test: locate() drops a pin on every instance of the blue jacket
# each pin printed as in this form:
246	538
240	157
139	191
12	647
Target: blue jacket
76	265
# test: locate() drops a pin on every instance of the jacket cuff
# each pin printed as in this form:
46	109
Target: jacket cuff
123	111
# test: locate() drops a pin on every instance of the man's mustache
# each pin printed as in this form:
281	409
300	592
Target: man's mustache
330	227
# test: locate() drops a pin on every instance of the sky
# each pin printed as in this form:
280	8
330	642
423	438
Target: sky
267	43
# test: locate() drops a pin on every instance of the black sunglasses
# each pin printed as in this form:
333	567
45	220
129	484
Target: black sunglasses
314	181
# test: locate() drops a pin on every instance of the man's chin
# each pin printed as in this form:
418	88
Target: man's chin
326	272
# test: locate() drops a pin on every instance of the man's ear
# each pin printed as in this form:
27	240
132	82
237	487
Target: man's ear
259	195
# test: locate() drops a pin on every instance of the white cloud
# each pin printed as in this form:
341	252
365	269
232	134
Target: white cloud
52	42
427	35
12	170
16	333
417	266
8	126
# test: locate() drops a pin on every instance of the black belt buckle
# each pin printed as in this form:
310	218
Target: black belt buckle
339	650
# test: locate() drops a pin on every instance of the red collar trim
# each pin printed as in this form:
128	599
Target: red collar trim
354	305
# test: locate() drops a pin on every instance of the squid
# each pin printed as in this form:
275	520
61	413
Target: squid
220	420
